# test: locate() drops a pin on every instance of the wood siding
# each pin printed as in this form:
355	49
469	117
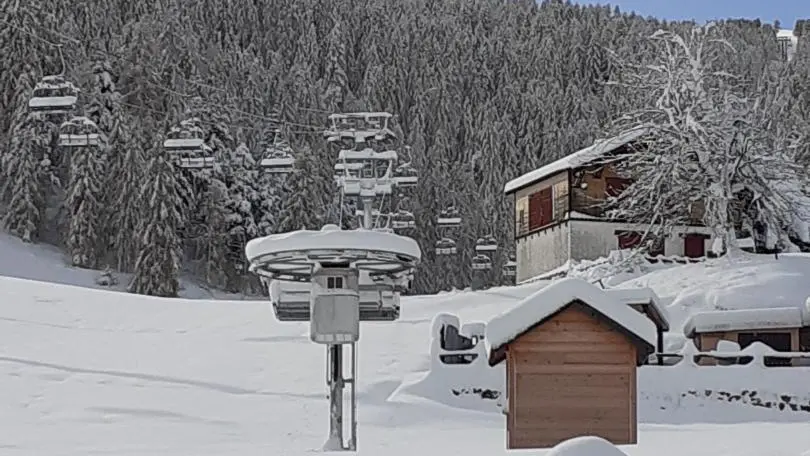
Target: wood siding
573	375
706	342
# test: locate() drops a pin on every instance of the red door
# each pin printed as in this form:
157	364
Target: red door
694	246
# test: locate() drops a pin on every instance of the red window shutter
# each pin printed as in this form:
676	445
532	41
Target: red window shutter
547	206
629	239
535	212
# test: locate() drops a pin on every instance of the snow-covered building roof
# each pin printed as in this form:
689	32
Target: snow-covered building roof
545	303
746	319
644	297
583	157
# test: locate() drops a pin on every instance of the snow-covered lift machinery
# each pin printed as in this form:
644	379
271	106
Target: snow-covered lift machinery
79	132
481	263
186	147
486	244
332	263
54	94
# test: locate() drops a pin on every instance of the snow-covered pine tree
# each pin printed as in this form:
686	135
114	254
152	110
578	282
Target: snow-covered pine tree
158	265
85	204
240	225
303	205
26	203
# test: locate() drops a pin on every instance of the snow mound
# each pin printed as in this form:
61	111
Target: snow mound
586	446
747	282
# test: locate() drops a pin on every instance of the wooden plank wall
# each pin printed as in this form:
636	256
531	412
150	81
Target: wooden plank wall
574	375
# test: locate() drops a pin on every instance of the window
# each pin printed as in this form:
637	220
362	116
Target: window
628	239
777	341
614	186
334	283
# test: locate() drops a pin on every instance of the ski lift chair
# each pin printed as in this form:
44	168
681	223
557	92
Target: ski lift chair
53	95
186	146
486	244
78	132
510	268
402	220
278	162
446	246
405	175
450	217
481	263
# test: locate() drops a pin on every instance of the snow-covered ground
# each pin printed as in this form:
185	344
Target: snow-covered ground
49	264
87	372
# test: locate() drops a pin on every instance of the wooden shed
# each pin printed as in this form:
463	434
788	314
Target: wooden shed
572	352
784	329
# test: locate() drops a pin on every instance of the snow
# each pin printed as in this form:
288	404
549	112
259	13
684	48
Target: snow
586	446
736	320
49	264
46	102
544	303
87	371
580	158
332	238
748	281
641	295
367	154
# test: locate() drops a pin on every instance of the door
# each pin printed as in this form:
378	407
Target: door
694	246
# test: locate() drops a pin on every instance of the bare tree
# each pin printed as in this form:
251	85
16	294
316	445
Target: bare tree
711	151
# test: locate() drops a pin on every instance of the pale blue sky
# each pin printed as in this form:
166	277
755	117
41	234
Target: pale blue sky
786	11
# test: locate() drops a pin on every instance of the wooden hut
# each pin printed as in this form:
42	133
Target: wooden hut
571	352
784	329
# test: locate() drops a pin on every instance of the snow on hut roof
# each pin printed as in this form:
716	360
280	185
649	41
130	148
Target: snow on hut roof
642	296
739	320
544	303
575	160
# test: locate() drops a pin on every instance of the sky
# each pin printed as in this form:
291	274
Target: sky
786	11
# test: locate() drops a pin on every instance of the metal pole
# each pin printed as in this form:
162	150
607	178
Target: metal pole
353	439
335	441
368	208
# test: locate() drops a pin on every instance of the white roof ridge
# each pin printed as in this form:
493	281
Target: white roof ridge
598	149
544	303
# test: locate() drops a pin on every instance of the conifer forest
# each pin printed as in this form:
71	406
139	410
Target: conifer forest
481	91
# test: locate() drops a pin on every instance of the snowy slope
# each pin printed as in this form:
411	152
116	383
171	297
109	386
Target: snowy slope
49	264
93	372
